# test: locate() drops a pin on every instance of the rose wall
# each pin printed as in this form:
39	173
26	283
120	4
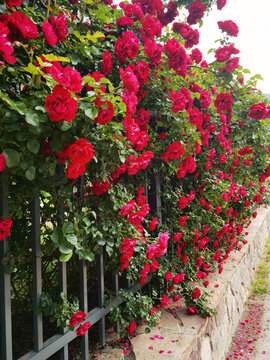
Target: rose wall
97	102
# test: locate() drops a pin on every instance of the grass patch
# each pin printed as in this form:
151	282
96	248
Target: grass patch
260	286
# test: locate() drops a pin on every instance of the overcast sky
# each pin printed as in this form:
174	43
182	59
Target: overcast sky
253	20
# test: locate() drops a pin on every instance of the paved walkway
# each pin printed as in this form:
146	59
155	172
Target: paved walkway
252	339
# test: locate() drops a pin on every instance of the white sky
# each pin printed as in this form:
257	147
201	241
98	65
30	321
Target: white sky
253	41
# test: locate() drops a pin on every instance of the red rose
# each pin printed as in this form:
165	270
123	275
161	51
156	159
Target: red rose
6	48
165	301
120	51
25	26
153	224
222	158
106	111
124	21
55	29
83	328
100	188
221	4
11	3
168	276
182	202
151	27
67	77
132	44
60	105
232	64
48	33
229	27
141	70
177	56
5	226
131	101
107	63
153	51
223	102
77	318
196	11
175	150
2	162
142	118
129	79
205	99
75	169
178	278
257	111
196	293
131	327
196	55
81	151
191	310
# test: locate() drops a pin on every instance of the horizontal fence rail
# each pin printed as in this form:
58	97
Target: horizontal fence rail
59	342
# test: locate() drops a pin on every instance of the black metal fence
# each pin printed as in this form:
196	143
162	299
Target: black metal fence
59	342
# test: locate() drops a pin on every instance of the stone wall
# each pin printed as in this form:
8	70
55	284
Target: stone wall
181	336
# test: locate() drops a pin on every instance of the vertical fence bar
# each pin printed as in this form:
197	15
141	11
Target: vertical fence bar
6	325
116	292
84	305
37	276
62	266
83	276
100	272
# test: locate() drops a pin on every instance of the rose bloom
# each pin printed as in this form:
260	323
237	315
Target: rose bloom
107	63
100	188
221	4
21	27
229	27
257	111
6	48
196	11
191	310
196	293
5	226
106	111
2	162
11	3
131	327
75	169
77	318
83	328
60	105
81	151
223	102
153	224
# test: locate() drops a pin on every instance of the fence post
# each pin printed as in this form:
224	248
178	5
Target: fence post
100	273
62	266
6	324
83	276
37	275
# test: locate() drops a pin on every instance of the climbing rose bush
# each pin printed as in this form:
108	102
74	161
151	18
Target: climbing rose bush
98	102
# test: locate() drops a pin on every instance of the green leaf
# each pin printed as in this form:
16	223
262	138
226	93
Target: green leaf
32	69
57	144
12	156
30	173
66	126
57	235
17	106
72	239
88	255
52	57
91	113
32	118
65	257
65	249
33	146
67	227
